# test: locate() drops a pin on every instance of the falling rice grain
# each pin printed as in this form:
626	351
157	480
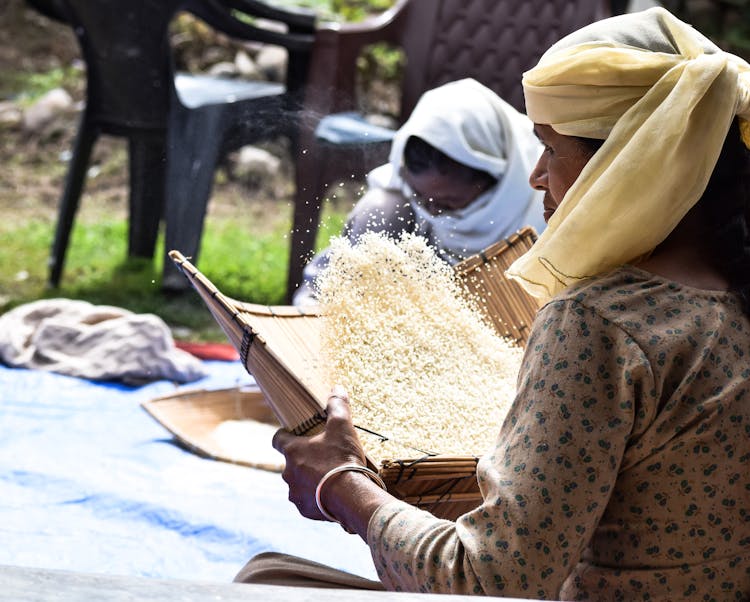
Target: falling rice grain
421	365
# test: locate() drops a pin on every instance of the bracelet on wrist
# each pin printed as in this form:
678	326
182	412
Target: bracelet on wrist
374	477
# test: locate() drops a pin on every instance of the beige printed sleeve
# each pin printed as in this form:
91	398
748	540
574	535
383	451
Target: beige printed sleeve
548	480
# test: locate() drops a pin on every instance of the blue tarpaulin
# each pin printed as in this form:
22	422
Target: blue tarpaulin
90	482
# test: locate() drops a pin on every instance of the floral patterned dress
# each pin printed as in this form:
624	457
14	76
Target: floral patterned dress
622	471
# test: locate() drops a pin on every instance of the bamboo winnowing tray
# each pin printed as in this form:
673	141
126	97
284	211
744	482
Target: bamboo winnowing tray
279	346
510	308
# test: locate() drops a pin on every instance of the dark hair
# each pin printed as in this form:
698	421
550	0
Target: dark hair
420	156
725	204
591	144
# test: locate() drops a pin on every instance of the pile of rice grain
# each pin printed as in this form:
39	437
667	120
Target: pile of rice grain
420	363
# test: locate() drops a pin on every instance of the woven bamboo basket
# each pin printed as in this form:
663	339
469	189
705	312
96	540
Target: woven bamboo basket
279	346
510	309
195	418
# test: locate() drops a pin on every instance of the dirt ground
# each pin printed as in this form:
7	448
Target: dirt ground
32	171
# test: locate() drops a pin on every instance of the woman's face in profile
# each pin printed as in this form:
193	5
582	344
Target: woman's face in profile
558	167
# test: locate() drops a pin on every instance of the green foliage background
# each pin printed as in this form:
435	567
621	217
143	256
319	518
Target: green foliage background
726	22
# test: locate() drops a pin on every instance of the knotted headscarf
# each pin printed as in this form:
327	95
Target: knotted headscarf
474	126
663	98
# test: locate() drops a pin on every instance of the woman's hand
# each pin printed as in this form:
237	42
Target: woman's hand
309	458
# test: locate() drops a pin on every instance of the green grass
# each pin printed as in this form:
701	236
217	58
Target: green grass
340	10
250	266
27	87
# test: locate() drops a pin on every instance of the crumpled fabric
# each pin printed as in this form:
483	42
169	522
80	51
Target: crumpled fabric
101	342
663	97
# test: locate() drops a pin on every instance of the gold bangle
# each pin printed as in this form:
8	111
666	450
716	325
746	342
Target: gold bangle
374	477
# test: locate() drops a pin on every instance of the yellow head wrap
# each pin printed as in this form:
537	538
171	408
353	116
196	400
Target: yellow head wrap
663	97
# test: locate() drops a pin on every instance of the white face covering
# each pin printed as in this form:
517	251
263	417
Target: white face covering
663	97
472	125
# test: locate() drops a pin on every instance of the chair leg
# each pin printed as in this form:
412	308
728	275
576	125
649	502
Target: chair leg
308	199
315	169
194	140
148	167
70	200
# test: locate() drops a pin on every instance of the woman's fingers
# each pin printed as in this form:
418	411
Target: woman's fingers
340	392
338	405
337	408
309	458
280	439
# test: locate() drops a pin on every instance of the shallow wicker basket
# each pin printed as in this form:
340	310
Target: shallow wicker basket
195	418
280	348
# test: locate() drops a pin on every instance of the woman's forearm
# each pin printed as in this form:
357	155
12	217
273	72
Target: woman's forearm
353	498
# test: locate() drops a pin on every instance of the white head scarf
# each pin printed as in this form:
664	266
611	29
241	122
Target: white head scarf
472	125
663	97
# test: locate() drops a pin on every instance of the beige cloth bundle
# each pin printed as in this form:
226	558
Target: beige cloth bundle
98	342
663	97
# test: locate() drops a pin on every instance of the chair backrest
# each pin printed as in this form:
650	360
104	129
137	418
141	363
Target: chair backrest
492	41
125	46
